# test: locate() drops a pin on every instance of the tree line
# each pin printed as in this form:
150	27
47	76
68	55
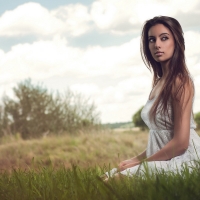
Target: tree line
33	111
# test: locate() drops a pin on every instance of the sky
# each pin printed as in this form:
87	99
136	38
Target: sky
91	47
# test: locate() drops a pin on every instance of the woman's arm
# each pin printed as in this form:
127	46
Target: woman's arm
180	141
141	156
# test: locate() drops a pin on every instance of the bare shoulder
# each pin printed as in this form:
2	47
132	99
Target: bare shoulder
183	88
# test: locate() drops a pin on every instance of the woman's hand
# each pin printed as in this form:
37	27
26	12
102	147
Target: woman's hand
128	163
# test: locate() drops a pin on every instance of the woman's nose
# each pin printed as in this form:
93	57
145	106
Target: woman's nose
157	44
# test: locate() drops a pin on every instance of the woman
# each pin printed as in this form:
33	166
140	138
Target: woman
173	142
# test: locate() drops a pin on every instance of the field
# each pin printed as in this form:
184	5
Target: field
85	150
68	167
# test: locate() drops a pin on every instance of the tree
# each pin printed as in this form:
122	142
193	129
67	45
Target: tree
137	120
197	119
35	111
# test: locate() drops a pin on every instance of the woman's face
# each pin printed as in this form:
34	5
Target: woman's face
161	43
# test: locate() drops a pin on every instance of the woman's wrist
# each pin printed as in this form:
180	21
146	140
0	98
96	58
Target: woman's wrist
135	159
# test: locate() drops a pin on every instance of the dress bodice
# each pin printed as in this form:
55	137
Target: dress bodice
160	119
160	133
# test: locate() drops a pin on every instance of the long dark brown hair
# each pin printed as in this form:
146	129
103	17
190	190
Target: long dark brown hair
177	64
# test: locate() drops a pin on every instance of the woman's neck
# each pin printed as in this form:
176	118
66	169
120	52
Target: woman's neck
165	70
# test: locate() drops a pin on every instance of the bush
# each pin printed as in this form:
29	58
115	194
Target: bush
137	120
34	111
197	119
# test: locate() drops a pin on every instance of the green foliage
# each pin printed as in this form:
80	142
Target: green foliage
137	120
197	119
34	111
78	184
119	125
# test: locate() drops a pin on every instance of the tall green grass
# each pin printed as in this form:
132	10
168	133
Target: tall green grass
84	184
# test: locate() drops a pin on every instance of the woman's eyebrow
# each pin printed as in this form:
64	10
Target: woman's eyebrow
163	34
159	35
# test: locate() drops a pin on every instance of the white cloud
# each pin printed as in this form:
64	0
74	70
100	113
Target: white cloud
121	101
33	19
75	17
43	59
116	17
192	40
29	18
39	60
184	6
1	53
126	17
192	43
86	89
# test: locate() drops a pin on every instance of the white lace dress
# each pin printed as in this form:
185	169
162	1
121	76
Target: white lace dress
159	136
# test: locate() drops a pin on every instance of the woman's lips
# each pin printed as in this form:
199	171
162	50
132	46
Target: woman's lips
159	53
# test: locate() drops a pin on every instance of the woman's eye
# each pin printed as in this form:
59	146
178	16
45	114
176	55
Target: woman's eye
164	38
151	40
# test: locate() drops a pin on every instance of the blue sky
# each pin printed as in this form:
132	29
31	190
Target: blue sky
91	47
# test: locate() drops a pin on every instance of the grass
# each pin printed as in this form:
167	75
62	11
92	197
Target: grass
51	179
85	150
83	184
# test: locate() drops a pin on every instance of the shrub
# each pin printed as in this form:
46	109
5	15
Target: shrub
34	111
197	119
137	120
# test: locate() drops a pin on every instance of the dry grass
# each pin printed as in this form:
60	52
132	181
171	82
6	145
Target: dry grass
85	150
